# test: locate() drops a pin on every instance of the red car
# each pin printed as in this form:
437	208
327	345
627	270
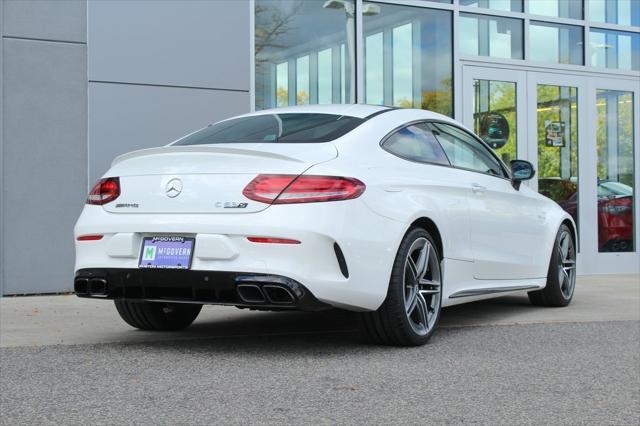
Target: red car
615	209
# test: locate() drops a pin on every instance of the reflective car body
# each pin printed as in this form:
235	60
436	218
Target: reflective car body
494	237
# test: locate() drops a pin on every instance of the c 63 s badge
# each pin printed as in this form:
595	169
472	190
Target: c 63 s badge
230	205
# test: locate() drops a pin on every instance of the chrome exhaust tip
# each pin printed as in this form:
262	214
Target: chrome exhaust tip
278	295
250	293
81	285
98	287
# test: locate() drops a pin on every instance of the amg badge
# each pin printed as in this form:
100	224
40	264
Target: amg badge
230	205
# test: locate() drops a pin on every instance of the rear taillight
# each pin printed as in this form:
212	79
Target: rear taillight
104	191
290	189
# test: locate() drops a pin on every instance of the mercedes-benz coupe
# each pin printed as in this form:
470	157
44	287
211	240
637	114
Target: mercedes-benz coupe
393	213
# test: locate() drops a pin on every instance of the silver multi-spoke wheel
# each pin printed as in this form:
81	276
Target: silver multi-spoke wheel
422	286
561	277
566	264
410	313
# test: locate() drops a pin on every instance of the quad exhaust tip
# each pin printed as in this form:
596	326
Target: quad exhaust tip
267	293
251	293
278	295
92	286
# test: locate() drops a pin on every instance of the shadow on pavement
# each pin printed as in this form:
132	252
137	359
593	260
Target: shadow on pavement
338	327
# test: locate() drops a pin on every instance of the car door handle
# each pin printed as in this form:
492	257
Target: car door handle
477	188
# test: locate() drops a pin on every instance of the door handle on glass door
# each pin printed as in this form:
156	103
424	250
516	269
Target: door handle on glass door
477	188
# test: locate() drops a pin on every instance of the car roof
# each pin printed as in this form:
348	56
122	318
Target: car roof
350	110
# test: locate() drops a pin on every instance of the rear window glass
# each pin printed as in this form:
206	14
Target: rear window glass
275	128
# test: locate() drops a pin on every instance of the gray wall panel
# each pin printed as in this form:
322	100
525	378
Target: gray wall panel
183	43
2	263
64	20
125	117
44	162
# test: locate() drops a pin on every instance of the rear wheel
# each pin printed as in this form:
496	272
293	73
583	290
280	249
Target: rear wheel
561	278
157	316
410	313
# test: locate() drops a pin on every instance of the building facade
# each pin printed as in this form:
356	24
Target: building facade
556	82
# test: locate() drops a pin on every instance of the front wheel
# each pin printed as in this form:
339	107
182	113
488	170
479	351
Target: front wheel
157	316
561	278
411	311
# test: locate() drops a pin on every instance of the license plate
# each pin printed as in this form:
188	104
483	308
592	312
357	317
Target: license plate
166	252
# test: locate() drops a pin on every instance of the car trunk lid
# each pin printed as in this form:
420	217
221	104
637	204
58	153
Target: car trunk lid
205	178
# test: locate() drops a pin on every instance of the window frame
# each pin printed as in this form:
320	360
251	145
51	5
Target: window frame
428	122
506	170
406	126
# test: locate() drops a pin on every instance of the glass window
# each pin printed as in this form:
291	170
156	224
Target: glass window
275	128
508	5
615	49
374	81
621	12
490	36
302	80
559	8
614	136
282	84
304	52
416	143
325	76
556	43
465	151
557	111
494	116
408	57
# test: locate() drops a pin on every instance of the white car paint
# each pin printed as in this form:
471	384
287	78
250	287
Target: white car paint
493	236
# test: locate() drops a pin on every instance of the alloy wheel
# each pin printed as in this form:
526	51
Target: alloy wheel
422	286
567	264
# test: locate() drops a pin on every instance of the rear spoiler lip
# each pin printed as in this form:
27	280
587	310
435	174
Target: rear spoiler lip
220	149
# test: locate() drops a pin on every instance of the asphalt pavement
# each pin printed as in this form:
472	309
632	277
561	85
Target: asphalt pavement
65	360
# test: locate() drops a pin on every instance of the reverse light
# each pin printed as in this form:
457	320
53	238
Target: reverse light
291	189
94	237
104	191
272	240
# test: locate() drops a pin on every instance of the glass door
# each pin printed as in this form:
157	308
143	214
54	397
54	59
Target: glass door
613	111
581	133
558	145
494	101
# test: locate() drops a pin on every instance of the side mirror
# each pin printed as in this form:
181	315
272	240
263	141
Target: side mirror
521	170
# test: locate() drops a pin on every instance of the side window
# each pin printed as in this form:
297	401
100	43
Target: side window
416	143
465	151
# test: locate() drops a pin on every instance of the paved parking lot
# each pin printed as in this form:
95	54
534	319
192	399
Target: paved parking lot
65	360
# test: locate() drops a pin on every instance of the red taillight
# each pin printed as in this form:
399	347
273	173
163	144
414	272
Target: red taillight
104	191
290	189
95	237
272	240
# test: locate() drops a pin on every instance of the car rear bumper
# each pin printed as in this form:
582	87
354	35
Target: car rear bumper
367	243
262	291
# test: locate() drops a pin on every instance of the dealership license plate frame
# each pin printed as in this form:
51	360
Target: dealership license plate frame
166	241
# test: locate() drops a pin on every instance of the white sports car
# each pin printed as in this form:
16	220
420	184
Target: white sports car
394	213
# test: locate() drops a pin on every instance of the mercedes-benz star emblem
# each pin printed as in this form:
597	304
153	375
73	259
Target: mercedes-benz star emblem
173	188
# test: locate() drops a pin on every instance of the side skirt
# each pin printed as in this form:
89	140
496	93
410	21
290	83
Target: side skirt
492	290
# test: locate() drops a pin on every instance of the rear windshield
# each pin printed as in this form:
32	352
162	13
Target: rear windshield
275	128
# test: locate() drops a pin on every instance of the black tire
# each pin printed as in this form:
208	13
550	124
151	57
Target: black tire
558	292
157	316
390	324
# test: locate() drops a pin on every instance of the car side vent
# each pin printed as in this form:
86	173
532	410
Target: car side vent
341	261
